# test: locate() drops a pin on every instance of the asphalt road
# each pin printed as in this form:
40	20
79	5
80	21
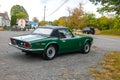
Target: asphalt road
106	43
14	65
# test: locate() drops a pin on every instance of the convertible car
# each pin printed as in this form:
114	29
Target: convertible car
50	41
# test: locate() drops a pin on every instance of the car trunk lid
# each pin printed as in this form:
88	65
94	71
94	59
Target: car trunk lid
28	38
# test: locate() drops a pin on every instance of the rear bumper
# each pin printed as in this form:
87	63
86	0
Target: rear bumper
25	49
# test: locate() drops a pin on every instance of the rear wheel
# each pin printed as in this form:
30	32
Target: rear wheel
86	48
49	53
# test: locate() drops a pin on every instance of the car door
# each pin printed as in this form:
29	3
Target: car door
67	41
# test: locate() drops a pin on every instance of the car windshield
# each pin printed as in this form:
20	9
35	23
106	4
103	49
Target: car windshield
43	31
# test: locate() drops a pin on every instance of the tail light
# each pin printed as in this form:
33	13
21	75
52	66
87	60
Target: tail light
12	41
27	45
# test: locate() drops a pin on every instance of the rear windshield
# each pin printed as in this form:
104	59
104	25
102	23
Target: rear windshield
43	31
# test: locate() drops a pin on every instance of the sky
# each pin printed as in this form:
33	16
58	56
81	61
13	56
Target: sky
54	9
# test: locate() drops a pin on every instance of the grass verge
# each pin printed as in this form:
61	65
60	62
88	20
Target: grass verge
110	67
110	32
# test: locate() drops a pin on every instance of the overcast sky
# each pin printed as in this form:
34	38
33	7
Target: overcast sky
54	8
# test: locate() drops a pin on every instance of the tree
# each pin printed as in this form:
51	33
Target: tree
17	9
103	23
13	20
21	15
90	19
76	19
55	23
108	6
42	23
17	12
116	23
35	19
62	21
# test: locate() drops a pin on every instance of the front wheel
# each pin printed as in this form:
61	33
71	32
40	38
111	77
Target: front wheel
86	48
49	53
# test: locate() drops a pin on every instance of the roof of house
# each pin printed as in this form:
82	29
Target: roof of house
26	19
5	15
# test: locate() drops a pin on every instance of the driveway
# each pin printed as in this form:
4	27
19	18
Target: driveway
14	65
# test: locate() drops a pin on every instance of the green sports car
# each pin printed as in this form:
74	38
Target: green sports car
50	41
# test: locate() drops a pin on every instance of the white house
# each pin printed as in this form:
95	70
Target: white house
4	20
22	22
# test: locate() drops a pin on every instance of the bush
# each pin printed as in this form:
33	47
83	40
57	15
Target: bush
6	27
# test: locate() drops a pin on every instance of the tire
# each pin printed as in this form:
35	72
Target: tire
49	53
86	48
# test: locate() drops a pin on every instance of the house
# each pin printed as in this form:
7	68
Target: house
22	22
4	20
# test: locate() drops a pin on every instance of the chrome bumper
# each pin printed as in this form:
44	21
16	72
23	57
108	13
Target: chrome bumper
25	49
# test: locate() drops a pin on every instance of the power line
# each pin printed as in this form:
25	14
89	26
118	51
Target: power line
58	8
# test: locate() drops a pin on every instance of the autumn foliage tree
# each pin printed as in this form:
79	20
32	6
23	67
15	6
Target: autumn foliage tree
35	19
62	21
80	19
77	20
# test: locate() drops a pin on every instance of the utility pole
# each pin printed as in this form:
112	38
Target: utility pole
68	18
69	11
0	5
44	12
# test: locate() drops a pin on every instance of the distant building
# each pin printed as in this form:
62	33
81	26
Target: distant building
4	20
22	22
33	24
